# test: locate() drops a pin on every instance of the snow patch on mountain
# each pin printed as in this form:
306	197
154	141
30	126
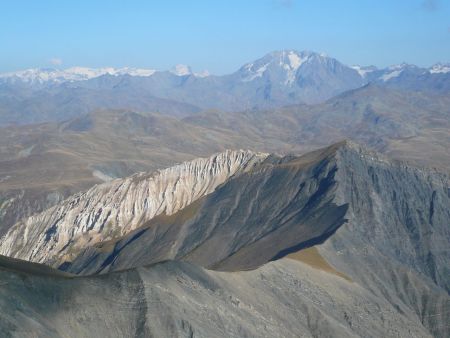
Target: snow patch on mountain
253	74
363	71
440	68
37	75
391	75
394	71
288	62
295	61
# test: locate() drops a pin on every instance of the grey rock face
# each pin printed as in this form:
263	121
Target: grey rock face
282	299
401	212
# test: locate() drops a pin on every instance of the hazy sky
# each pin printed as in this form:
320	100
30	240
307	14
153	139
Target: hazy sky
219	35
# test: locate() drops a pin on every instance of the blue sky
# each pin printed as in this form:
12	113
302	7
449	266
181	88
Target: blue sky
219	35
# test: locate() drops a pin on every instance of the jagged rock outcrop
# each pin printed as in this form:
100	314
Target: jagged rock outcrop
115	208
282	203
396	210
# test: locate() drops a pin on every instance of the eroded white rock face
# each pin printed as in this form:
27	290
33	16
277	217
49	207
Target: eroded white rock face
115	208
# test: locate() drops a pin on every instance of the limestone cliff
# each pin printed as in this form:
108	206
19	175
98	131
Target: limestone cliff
115	208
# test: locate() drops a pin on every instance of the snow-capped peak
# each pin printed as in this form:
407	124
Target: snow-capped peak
37	75
181	70
440	68
288	60
295	60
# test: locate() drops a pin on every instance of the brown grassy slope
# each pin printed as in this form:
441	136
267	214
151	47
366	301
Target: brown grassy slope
411	126
41	164
313	258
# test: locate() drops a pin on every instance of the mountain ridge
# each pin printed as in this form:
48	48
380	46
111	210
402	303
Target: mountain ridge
192	299
120	205
278	79
238	259
375	233
317	170
79	73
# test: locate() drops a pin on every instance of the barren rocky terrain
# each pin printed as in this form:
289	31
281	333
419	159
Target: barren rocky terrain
342	241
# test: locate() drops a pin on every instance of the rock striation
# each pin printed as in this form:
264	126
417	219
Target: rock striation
285	298
115	208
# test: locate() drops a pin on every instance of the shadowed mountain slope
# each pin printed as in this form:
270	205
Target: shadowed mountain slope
282	299
245	223
260	213
115	208
341	242
286	204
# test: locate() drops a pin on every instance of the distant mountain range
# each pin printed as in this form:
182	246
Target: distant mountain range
51	76
278	79
286	62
